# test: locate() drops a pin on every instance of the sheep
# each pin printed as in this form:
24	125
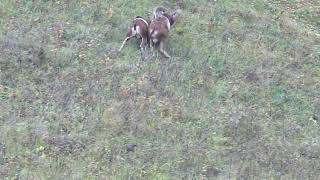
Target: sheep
138	29
159	28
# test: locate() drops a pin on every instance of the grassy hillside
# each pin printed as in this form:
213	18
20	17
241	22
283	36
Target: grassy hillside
239	99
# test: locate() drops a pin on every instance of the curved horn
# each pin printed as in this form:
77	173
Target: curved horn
158	11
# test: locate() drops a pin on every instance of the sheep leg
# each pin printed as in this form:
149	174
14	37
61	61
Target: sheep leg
142	45
125	41
162	51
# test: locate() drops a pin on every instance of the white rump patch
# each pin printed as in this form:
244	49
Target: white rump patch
133	31
154	40
136	31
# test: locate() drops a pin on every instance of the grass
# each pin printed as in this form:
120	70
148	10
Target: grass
239	99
